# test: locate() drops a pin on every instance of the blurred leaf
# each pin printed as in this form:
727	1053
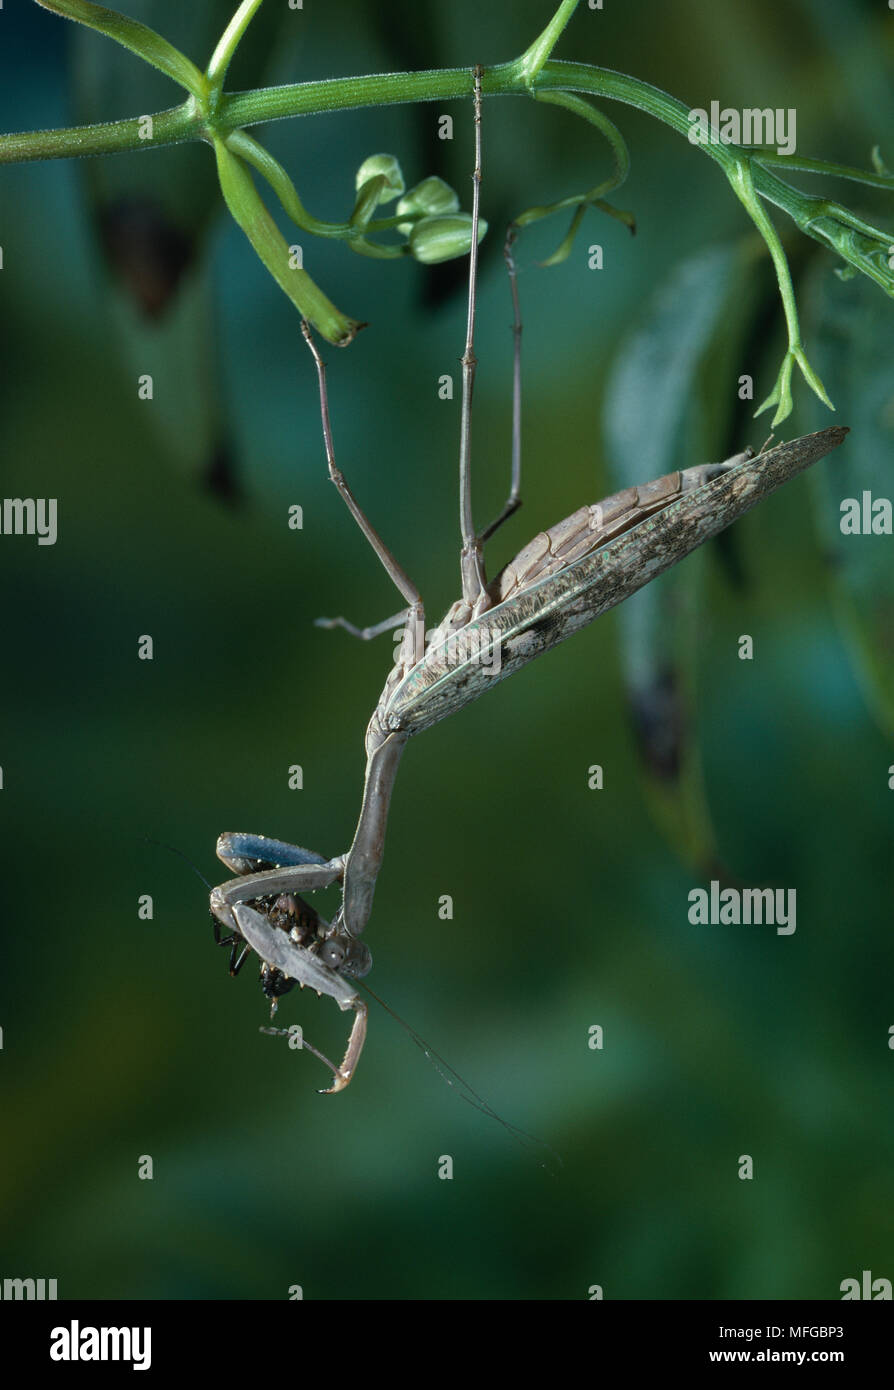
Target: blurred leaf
179	185
861	55
135	37
664	391
850	326
180	352
150	214
147	253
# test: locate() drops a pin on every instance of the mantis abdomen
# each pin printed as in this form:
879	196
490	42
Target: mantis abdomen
578	569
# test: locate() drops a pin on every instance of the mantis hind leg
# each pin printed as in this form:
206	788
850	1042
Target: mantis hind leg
513	501
365	634
415	612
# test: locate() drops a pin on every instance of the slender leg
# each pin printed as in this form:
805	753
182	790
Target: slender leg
366	634
342	1074
472	570
238	949
513	501
408	590
236	966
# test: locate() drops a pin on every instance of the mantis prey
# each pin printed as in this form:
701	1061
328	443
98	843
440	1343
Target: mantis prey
563	579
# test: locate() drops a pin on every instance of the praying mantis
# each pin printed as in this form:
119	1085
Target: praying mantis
562	580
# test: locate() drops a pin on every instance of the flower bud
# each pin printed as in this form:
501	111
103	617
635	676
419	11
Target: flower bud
389	168
444	238
430	197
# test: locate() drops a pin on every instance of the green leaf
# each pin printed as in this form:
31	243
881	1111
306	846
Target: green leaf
670	400
140	39
850	328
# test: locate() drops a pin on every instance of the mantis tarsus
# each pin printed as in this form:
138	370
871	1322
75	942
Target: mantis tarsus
562	580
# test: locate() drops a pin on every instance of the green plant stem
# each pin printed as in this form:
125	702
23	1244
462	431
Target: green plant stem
212	115
819	166
187	122
230	39
249	211
533	59
172	127
261	160
239	109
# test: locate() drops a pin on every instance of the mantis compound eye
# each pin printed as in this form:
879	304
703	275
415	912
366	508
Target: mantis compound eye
345	954
358	959
332	953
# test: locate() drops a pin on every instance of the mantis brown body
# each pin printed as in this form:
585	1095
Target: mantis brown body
558	583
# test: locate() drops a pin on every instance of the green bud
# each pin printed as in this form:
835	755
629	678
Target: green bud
431	197
444	238
386	166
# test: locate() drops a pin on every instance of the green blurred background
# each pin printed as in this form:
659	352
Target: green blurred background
123	1037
